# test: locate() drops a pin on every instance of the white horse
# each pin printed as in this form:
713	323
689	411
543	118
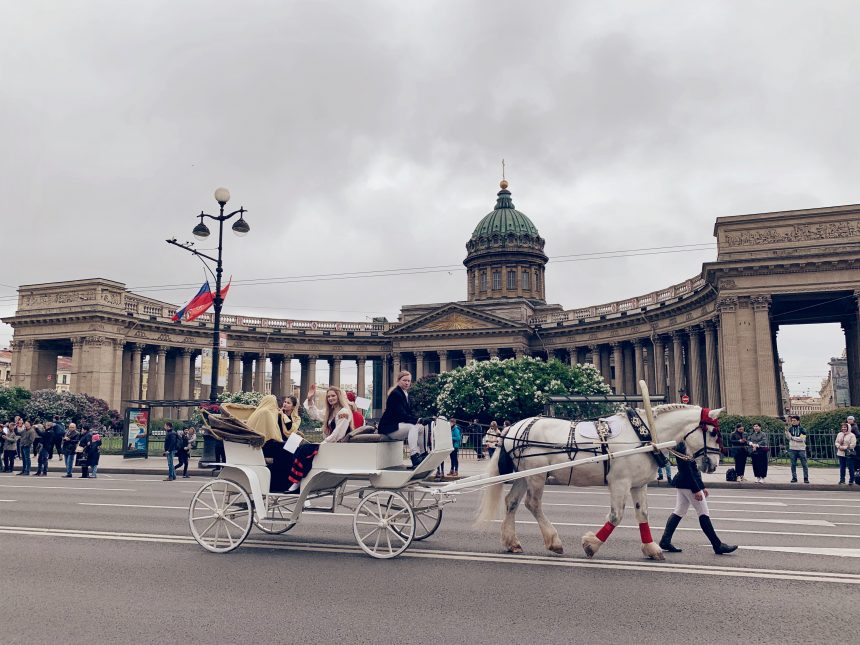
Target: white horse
547	443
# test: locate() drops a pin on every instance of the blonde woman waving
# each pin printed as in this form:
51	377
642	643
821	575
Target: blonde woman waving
336	418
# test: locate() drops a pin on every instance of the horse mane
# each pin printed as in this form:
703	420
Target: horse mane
668	407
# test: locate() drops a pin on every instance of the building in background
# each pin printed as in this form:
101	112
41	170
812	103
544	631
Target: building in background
834	389
801	405
5	367
64	373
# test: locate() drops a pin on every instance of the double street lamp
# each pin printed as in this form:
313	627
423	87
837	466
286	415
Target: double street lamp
201	232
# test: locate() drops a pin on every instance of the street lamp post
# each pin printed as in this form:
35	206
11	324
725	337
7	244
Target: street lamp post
201	232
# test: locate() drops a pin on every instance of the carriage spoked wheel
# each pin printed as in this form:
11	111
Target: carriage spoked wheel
220	515
428	514
384	524
279	510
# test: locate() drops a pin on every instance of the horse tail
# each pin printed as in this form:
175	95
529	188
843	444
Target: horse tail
491	499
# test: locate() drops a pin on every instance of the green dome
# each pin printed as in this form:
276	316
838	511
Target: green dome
504	219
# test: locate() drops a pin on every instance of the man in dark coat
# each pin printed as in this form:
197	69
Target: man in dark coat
171	444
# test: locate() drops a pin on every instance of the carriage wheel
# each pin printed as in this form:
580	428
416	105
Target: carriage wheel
220	516
279	510
428	514
384	524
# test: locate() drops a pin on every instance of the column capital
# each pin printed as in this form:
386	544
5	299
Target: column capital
419	354
312	357
336	357
760	303
637	342
727	304
361	359
137	347
161	350
694	330
187	351
616	345
286	357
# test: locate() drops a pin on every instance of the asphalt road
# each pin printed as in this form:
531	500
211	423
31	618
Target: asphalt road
114	561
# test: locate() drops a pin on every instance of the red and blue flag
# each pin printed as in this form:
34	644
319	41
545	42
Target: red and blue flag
200	303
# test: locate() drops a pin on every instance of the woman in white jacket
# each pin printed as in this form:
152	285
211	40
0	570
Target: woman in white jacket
337	416
846	448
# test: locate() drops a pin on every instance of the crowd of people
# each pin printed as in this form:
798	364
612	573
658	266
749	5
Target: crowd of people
25	440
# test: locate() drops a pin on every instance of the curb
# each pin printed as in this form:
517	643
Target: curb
194	472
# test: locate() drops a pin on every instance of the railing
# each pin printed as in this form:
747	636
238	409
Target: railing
655	297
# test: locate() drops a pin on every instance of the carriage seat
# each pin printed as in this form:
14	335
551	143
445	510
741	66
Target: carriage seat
366	434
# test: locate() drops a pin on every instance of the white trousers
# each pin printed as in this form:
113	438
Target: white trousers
411	432
685	499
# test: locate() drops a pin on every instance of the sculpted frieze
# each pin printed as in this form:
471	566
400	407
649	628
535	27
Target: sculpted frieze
112	297
165	338
66	297
793	233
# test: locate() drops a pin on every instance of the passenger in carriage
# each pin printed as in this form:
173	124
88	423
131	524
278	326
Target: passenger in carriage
398	421
337	417
276	426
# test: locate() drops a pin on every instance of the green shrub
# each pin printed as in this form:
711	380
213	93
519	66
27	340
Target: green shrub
12	400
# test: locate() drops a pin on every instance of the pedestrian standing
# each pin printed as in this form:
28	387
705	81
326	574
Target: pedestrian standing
667	469
855	430
93	453
46	446
491	439
182	452
475	435
740	450
69	447
10	448
691	491
170	451
59	433
846	450
84	442
456	440
759	446
796	435
25	447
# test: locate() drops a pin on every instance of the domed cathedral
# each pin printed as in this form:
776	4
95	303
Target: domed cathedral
505	255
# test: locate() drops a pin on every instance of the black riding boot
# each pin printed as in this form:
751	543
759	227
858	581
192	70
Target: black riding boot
668	532
416	459
708	530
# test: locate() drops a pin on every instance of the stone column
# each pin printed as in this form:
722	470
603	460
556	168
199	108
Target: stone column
247	372
233	383
518	352
648	348
730	372
303	378
419	365
595	356
697	394
469	355
386	376
260	373
572	355
360	376
276	374
395	364
185	366
618	359
334	370
160	372
444	361
287	375
677	365
75	376
639	364
660	385
192	375
312	369
768	397
136	365
493	352
712	365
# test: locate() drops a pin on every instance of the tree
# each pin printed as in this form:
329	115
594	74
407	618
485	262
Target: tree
12	400
43	405
506	389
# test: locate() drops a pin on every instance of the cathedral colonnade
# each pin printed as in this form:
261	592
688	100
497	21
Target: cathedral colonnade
712	337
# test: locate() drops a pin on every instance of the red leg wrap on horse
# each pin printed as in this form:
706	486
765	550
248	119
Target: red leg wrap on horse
604	533
645	533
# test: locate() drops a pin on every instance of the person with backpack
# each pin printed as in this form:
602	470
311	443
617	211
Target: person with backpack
183	452
796	435
46	447
85	443
59	432
456	438
171	442
69	447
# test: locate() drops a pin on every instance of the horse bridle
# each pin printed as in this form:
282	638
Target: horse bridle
705	420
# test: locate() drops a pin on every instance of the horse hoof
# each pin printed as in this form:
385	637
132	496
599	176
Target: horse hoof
515	549
590	544
653	552
589	552
557	549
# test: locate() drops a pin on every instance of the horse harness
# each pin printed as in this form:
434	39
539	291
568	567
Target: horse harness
571	448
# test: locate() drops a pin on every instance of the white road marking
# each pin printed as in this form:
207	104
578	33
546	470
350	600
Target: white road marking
492	558
682	528
184	508
775	521
722	510
8	500
127	490
741	493
808	550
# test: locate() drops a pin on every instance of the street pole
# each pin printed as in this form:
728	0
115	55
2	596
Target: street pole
216	334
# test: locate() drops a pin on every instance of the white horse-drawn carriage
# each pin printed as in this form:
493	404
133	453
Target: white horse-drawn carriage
390	510
393	505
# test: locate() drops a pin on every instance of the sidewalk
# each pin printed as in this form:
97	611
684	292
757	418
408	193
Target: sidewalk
778	478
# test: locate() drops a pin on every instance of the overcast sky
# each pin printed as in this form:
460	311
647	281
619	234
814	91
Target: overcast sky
368	136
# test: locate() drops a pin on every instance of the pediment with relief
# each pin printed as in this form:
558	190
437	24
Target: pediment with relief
454	322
